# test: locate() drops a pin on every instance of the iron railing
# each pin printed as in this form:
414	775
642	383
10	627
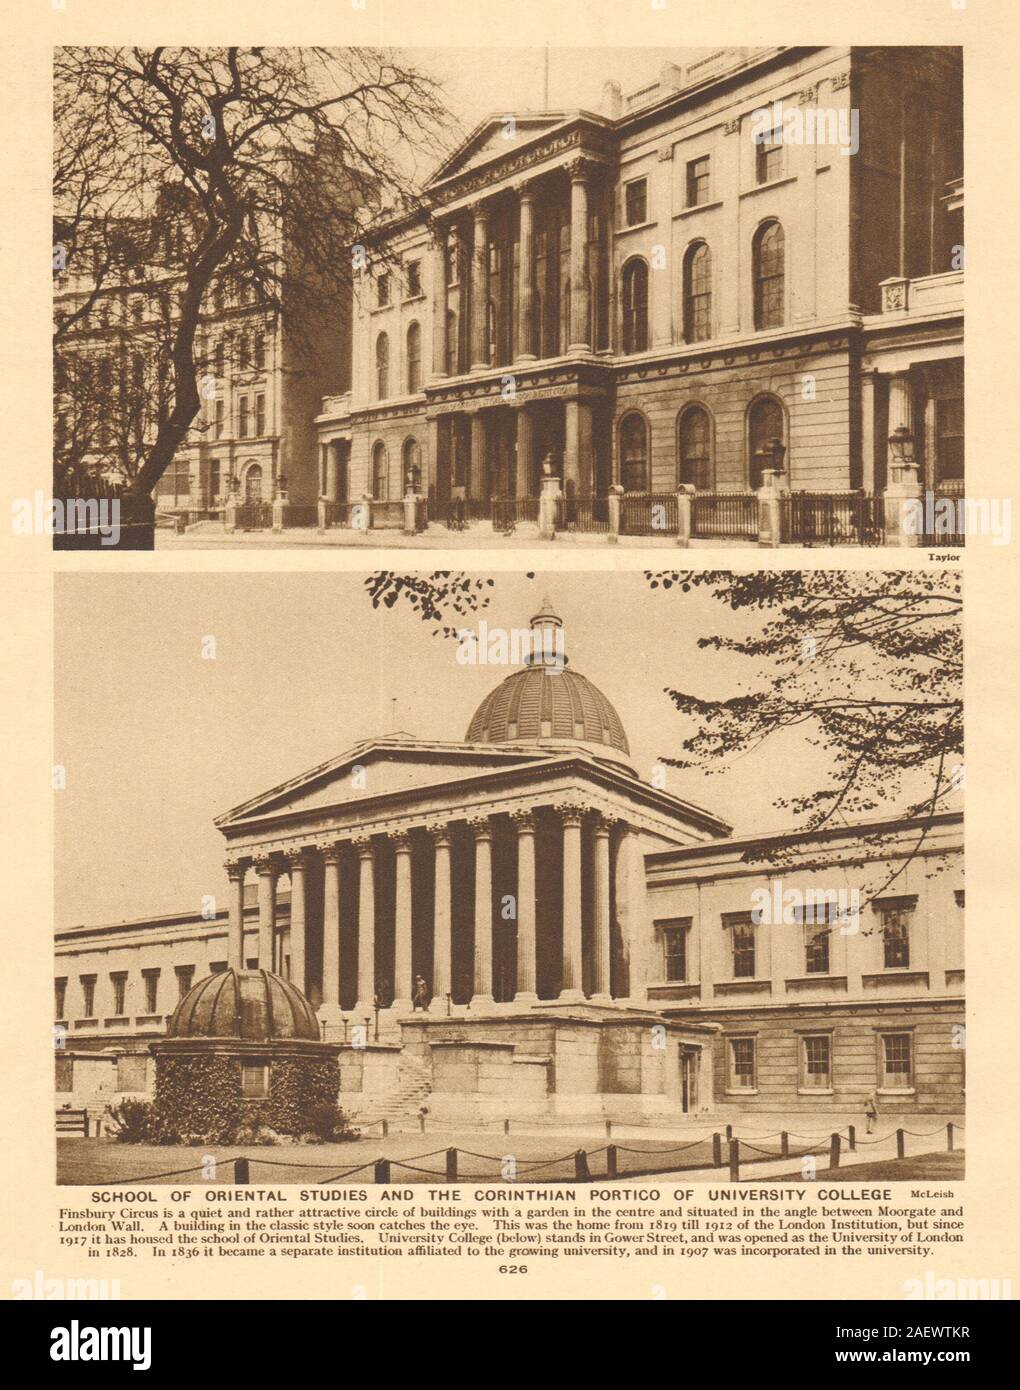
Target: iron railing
724	515
301	514
944	508
649	514
254	516
508	512
588	514
832	518
346	515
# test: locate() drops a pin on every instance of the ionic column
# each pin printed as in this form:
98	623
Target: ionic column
601	987
439	303
330	1010
296	864
868	379
333	472
441	940
235	931
482	994
266	870
479	290
366	925
572	982
527	988
526	273
402	926
580	333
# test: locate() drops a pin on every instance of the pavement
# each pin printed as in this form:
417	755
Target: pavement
207	536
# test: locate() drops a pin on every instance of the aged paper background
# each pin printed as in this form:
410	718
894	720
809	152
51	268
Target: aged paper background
988	30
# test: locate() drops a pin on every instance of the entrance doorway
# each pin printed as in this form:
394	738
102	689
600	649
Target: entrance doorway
689	1059
253	485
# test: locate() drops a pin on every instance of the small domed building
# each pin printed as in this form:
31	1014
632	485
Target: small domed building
243	1048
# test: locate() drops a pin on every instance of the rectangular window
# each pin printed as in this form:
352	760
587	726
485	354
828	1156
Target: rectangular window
88	996
742	929
220	417
242	417
949	438
697	181
743	1069
816	950
150	979
260	414
674	951
897	1065
254	1080
217	967
214	478
894	918
413	271
118	983
635	202
768	156
60	997
382	289
816	1070
185	975
260	351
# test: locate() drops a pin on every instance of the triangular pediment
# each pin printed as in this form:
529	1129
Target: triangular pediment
498	136
372	769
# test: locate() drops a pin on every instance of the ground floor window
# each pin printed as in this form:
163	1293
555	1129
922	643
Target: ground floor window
254	1080
743	1065
694	437
896	1061
634	453
816	1062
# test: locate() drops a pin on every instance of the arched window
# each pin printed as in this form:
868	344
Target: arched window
382	366
694	448
413	359
766	425
452	345
635	306
412	464
697	293
634	453
769	275
380	472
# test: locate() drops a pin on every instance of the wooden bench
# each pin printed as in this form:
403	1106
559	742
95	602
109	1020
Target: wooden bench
73	1122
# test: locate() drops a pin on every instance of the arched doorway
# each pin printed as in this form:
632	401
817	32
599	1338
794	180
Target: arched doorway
253	484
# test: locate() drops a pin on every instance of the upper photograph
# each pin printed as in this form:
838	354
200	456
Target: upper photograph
496	298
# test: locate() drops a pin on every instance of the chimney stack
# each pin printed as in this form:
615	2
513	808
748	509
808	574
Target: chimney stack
612	99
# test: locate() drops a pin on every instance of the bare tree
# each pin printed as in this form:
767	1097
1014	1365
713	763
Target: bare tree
263	167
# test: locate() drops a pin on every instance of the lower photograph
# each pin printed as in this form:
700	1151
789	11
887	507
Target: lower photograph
518	880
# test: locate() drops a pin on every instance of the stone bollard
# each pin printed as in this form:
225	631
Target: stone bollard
903	506
230	513
322	504
548	504
281	506
770	514
614	504
361	513
684	509
410	513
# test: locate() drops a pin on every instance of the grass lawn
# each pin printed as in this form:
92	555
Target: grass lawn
932	1167
415	1158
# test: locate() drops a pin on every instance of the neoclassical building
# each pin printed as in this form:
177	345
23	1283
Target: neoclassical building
651	294
518	924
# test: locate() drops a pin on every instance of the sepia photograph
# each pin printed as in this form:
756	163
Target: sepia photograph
678	296
523	878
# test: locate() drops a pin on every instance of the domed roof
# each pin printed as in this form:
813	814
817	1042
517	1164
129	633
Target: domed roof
252	1005
546	702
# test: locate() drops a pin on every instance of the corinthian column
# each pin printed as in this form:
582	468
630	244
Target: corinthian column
571	985
527	990
480	290
330	1010
526	273
601	990
366	926
580	331
441	941
266	871
235	931
402	926
296	864
482	996
439	304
